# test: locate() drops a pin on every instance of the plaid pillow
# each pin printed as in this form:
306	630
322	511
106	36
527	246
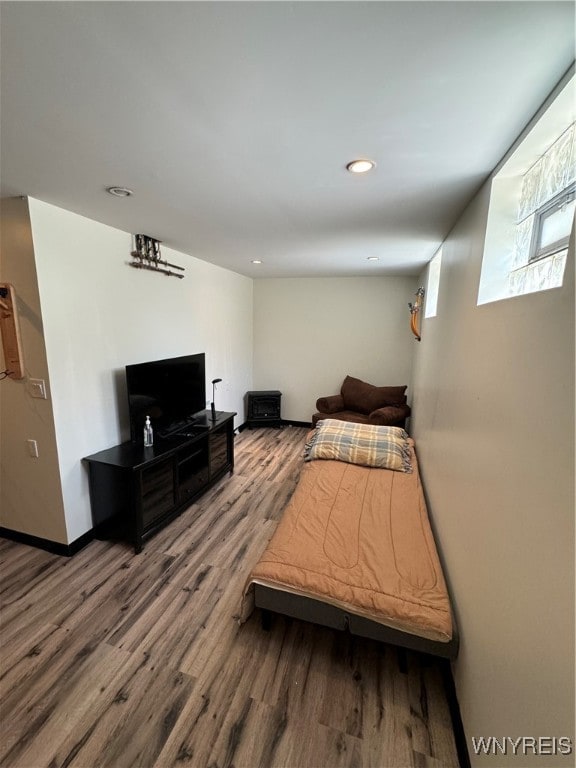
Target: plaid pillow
364	444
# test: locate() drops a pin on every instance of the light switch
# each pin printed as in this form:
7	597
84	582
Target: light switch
37	388
32	448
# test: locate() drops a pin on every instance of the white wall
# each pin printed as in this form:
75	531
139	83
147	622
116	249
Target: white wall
30	494
493	420
310	333
99	314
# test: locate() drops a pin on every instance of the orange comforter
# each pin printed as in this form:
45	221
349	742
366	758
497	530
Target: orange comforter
360	539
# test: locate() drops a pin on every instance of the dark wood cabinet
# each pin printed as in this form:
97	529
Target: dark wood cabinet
136	491
218	453
157	491
193	470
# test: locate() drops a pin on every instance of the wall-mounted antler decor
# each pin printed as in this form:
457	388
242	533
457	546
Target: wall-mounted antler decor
146	255
415	309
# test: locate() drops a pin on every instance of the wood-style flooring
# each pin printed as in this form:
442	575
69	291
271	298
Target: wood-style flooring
114	659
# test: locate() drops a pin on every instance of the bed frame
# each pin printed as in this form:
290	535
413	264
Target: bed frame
304	599
315	611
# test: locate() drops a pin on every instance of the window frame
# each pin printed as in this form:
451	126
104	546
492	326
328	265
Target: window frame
433	284
536	252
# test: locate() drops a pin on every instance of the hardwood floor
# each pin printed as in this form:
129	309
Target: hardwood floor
115	659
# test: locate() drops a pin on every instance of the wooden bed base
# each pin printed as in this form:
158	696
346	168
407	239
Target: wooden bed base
317	612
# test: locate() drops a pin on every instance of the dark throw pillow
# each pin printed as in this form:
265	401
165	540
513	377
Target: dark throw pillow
364	398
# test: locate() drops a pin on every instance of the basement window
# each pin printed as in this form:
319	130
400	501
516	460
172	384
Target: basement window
552	225
433	284
532	205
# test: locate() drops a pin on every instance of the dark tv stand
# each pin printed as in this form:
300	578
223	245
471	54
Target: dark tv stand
136	491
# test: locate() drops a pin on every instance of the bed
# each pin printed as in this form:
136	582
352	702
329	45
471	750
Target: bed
354	549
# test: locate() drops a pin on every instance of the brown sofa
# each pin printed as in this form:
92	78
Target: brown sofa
365	403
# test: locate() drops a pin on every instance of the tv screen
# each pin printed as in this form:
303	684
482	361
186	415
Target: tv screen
170	391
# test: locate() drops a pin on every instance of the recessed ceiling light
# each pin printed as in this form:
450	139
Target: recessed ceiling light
360	166
256	261
373	258
119	191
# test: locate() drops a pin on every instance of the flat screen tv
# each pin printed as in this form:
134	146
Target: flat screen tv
170	391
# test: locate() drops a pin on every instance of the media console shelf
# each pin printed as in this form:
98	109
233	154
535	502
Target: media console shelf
136	491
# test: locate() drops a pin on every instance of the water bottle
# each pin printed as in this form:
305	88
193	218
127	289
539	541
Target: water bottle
148	433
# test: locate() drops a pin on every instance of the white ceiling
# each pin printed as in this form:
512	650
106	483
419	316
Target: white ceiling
232	122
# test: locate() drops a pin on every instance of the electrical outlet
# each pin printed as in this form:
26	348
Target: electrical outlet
37	388
32	448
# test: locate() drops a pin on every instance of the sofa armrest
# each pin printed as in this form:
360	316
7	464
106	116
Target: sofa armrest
331	404
390	415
